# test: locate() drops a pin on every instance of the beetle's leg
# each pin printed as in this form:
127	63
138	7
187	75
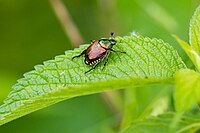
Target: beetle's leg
76	56
105	61
116	51
93	67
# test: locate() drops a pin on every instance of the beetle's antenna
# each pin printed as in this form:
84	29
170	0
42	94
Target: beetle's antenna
111	34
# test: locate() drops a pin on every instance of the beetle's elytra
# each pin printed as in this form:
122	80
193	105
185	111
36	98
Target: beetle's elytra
98	51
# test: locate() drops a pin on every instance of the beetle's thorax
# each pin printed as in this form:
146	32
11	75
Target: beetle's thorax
105	43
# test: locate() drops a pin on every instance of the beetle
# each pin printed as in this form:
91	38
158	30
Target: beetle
98	51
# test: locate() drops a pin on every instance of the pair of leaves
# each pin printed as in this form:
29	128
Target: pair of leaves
148	61
187	81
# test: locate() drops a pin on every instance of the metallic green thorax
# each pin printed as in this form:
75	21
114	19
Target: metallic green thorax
107	43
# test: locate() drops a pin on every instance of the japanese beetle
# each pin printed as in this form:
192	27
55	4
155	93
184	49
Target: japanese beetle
98	51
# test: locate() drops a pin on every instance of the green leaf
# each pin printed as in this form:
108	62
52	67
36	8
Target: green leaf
161	124
194	31
146	62
190	52
187	89
155	101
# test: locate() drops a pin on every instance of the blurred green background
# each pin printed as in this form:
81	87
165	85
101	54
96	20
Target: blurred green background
31	33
